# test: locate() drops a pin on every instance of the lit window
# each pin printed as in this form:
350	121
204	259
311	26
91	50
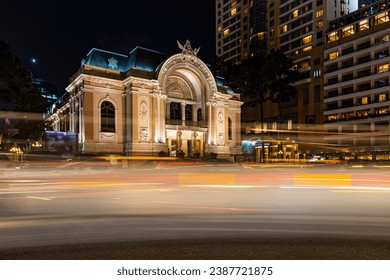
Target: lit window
308	48
234	3
382	68
219	28
381	18
333	36
347	31
364	100
233	12
363	24
381	40
284	29
305	64
307	39
317	73
333	55
382	111
226	32
320	13
295	13
320	24
382	97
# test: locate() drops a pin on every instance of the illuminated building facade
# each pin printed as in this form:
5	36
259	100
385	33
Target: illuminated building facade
357	113
146	102
232	29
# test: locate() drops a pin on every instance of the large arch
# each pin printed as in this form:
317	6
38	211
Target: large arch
192	70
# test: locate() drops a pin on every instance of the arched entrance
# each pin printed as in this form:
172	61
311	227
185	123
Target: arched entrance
187	84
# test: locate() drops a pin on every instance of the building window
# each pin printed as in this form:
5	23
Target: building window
363	24
188	112
230	132
233	12
317	73
382	68
383	39
305	64
175	111
307	39
381	18
226	32
382	111
107	117
347	31
295	13
333	55
381	97
308	48
320	24
320	13
363	100
333	36
199	115
284	29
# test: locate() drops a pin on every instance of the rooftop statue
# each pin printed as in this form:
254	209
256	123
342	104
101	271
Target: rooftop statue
187	49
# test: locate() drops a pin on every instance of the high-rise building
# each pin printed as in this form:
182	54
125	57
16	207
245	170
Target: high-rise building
357	106
233	29
296	27
47	90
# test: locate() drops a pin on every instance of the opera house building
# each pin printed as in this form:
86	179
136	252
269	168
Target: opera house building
148	103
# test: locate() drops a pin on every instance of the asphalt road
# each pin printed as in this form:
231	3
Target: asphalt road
161	210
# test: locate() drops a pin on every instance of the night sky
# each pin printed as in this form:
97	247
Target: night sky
58	33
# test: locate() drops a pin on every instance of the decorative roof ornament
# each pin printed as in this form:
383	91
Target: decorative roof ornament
187	49
112	63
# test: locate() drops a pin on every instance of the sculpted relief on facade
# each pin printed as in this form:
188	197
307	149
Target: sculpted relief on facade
178	88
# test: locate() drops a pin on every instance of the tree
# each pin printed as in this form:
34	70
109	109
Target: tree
260	79
16	84
16	88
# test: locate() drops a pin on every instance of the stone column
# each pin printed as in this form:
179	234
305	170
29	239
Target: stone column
183	113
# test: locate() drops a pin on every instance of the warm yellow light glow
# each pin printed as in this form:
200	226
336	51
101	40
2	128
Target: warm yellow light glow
226	32
383	68
320	13
233	12
333	55
381	18
307	39
333	36
295	13
348	30
284	29
308	48
363	24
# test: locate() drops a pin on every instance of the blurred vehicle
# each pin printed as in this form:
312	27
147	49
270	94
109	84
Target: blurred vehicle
316	158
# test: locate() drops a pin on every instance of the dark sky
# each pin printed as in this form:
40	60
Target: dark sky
60	33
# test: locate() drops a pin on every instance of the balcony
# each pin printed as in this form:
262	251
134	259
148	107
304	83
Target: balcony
187	123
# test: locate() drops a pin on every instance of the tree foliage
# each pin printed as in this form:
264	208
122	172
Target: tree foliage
16	85
24	106
260	79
